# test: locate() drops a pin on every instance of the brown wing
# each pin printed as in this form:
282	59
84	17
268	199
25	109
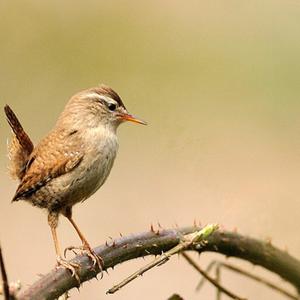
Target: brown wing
20	147
53	157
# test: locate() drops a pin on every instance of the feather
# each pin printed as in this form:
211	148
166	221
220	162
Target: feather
19	148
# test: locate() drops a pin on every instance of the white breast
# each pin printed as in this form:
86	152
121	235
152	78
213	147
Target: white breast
101	147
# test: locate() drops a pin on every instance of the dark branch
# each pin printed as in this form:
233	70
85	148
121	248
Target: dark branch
210	279
57	282
4	277
198	237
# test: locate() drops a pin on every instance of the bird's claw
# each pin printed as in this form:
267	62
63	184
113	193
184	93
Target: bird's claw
73	249
71	266
86	250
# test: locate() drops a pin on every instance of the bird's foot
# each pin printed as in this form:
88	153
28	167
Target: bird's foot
87	250
71	266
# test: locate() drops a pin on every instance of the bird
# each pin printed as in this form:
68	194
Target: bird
71	162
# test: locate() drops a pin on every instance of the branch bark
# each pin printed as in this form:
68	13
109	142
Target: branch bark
58	281
187	240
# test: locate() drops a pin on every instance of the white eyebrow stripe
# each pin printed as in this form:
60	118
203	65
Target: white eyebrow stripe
102	97
94	95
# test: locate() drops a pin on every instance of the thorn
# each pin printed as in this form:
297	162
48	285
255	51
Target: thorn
269	241
110	238
176	225
199	224
199	246
151	228
225	239
158	224
242	249
222	227
106	244
157	232
114	244
195	223
121	235
106	272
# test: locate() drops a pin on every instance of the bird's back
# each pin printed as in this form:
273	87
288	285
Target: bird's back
56	155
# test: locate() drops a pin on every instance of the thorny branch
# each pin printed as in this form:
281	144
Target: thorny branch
187	240
58	281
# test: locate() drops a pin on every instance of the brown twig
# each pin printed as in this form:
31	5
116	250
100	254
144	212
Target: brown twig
4	277
58	281
258	279
218	279
211	280
219	264
203	279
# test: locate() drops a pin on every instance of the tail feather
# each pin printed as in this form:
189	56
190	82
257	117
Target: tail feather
20	147
18	130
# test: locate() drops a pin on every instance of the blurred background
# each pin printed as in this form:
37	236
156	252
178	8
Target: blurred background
218	82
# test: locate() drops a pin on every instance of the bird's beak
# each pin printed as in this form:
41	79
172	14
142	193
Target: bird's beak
128	117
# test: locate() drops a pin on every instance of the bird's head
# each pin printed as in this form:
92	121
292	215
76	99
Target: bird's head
99	106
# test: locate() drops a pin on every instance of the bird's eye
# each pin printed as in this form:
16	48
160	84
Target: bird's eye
111	106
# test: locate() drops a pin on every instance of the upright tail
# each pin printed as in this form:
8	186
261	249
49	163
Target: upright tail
18	130
20	147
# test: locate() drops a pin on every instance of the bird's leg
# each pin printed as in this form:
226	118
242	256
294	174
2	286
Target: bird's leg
53	222
85	248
